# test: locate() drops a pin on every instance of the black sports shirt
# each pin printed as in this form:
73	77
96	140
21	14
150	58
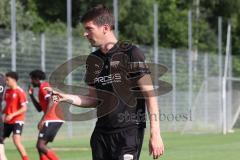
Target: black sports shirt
114	75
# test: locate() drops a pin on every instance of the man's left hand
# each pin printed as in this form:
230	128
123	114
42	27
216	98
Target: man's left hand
156	146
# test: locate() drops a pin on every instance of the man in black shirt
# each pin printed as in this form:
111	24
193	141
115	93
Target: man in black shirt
2	89
119	86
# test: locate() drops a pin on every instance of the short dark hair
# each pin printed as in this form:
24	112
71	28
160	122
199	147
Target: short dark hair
12	75
37	74
100	15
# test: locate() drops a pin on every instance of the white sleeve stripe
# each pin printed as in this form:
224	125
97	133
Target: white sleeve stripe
46	96
24	103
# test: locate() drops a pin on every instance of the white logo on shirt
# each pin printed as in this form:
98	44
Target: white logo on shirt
116	78
97	72
114	63
1	89
14	95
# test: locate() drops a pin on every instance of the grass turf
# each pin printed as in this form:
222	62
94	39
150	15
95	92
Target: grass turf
177	147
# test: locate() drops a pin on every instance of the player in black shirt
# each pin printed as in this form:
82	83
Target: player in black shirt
119	86
2	89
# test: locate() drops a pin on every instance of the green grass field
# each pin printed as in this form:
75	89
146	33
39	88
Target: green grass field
177	147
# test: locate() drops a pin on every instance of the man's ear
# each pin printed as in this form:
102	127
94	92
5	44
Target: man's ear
106	28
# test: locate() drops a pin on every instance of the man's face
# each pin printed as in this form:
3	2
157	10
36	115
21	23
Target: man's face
94	33
35	82
10	82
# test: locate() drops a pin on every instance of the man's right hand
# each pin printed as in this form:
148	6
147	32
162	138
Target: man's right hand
30	90
56	96
8	118
40	125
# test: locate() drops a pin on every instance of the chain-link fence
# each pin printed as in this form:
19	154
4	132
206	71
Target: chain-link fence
194	105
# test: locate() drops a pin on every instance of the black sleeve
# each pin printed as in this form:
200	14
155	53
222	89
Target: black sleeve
93	67
89	76
137	65
35	103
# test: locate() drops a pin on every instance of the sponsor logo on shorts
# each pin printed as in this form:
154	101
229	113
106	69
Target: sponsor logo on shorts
18	131
127	157
41	135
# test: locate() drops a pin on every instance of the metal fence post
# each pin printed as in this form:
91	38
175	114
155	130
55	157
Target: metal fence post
13	34
174	86
69	54
220	66
43	54
206	88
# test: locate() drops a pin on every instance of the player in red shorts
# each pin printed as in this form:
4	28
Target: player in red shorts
51	122
14	111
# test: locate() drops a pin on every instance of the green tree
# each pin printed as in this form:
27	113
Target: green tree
136	21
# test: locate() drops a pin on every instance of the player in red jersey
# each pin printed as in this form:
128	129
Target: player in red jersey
51	121
14	111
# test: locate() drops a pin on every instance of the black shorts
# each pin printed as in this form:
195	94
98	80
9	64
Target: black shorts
123	145
16	128
49	131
